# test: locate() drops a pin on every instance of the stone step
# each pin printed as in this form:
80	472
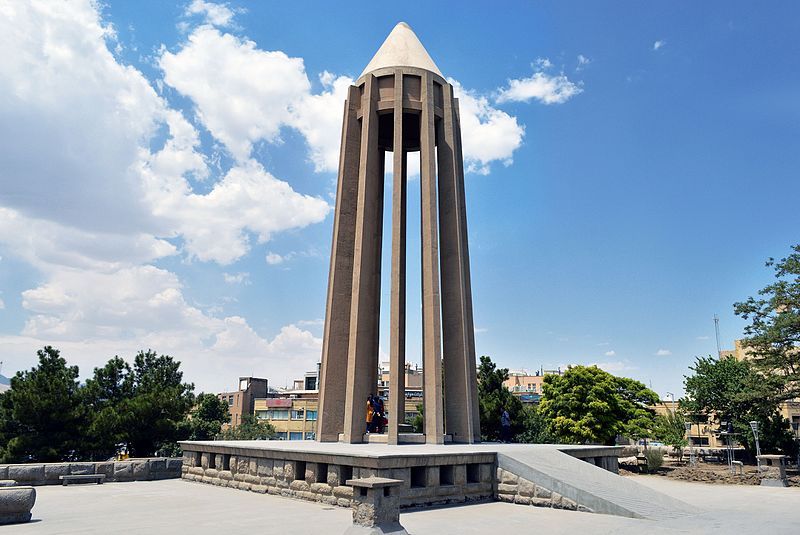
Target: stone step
591	486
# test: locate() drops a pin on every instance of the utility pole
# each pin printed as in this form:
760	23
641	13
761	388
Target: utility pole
716	329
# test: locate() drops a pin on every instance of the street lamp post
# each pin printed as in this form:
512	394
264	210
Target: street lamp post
754	427
796	428
688	427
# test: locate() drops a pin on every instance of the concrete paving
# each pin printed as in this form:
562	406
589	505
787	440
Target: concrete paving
176	506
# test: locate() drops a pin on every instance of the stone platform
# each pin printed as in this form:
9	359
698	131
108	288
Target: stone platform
431	474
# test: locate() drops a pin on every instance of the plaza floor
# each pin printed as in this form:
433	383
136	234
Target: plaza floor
176	506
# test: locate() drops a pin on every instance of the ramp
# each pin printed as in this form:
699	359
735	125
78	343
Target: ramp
588	485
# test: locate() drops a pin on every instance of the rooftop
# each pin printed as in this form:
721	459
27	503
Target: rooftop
402	48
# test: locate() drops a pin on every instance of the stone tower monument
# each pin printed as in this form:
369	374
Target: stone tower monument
401	103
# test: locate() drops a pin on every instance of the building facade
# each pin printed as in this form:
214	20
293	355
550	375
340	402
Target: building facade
242	401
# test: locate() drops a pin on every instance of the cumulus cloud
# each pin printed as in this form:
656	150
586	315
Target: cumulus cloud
114	195
216	14
663	353
488	134
541	85
610	353
658	45
583	61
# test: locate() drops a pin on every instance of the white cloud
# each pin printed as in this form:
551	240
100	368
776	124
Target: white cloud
542	86
319	119
273	259
703	337
487	133
237	278
583	61
2	304
216	14
663	353
242	94
658	45
610	353
96	187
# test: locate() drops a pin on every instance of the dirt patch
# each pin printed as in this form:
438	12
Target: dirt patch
708	473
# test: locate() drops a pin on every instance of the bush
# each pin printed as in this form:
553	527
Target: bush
655	458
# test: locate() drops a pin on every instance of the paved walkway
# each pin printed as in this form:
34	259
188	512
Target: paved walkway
176	506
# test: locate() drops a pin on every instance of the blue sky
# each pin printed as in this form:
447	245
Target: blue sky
168	176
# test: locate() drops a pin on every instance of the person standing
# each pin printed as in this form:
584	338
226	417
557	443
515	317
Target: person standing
370	413
505	425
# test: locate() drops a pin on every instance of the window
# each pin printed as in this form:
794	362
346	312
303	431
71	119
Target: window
262	415
298	414
281	435
295	436
230	400
311	416
311	436
278	414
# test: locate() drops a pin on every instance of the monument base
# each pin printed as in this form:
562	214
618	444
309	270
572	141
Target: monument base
318	471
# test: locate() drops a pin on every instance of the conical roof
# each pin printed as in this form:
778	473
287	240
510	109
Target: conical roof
402	49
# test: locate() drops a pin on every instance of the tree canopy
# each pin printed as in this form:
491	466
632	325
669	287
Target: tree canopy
730	390
250	428
773	335
589	405
41	411
493	396
47	415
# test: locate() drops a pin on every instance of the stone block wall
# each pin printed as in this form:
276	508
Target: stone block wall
130	470
321	478
514	489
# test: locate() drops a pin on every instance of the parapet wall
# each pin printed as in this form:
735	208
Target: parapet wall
319	477
130	470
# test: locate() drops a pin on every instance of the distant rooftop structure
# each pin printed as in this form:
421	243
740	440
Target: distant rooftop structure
402	48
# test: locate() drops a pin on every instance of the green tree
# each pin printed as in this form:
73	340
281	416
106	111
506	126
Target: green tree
206	418
42	414
105	395
159	403
669	428
493	397
773	336
251	428
589	405
730	390
535	427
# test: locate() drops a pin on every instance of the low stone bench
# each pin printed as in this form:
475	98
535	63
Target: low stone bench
16	504
376	506
8	483
773	470
82	478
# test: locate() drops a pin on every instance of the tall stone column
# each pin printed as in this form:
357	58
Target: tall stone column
431	313
397	334
333	372
362	355
461	389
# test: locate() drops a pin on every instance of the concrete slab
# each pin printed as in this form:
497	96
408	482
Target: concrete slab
388	450
175	506
590	486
